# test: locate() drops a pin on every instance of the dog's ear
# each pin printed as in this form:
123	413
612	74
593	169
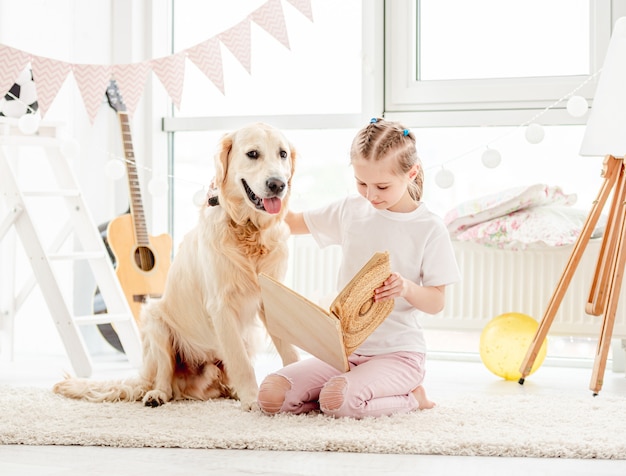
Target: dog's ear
221	158
294	154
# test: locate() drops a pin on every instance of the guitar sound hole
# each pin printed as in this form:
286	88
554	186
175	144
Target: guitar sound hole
144	258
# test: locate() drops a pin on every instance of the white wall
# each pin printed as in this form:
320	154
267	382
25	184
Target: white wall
95	32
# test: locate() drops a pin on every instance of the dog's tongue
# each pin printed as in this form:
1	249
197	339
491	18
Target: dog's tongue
272	205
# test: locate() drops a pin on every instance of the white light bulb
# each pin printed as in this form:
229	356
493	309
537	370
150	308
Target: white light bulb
157	187
534	133
577	106
444	178
199	198
491	158
29	123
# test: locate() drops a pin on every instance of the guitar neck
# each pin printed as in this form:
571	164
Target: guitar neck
136	206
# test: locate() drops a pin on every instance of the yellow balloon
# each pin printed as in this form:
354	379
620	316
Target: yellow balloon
504	343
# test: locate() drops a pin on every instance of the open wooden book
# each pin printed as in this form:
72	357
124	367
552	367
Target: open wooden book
329	335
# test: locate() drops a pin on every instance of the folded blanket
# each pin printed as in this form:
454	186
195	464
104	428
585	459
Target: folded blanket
519	218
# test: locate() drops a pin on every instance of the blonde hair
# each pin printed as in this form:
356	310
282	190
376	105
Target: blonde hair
381	139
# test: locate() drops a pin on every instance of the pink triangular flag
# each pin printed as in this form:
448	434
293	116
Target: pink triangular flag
207	56
49	75
131	81
12	63
237	40
270	17
171	72
304	7
92	81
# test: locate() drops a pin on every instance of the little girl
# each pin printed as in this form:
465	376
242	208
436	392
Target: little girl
387	370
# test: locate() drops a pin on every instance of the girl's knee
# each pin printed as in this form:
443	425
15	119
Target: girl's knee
272	393
333	394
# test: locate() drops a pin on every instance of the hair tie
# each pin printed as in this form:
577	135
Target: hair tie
373	120
405	132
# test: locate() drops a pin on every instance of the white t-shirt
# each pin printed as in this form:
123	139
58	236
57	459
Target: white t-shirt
419	249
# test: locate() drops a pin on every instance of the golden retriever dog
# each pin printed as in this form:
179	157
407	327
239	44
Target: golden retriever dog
200	337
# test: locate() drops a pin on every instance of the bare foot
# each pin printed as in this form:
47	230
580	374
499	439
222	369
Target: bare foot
423	403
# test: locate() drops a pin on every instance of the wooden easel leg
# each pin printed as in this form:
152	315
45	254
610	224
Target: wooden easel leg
614	285
611	170
598	295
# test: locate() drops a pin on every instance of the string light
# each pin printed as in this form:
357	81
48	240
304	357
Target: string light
199	198
577	106
491	158
28	123
157	186
444	178
534	133
115	169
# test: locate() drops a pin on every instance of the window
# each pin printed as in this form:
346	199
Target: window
513	41
361	59
313	91
453	62
319	73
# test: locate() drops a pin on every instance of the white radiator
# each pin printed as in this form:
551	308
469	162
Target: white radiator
313	271
493	282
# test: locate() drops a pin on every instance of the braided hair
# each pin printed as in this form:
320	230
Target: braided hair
380	139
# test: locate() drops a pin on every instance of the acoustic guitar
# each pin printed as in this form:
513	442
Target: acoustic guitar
141	261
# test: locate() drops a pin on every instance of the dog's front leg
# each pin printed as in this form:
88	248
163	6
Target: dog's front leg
235	357
158	357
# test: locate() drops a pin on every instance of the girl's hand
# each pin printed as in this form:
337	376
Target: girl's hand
429	299
394	286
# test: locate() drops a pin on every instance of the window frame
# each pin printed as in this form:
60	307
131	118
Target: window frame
372	92
502	101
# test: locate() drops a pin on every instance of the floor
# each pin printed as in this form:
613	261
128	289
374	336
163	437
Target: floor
445	376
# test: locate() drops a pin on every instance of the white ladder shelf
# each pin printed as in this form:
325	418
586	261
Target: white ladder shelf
21	206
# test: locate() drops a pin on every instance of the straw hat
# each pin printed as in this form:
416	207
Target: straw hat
355	306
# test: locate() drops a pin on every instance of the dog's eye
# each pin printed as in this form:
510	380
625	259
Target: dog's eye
253	154
283	154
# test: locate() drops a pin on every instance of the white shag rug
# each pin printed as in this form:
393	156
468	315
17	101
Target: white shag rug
518	425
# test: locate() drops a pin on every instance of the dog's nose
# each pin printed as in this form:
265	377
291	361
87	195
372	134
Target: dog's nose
275	185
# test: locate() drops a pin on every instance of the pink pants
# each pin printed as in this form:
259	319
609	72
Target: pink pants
375	385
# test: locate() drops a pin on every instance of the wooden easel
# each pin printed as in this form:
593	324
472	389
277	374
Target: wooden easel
607	280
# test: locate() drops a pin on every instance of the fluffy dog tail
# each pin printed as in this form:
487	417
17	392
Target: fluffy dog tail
129	390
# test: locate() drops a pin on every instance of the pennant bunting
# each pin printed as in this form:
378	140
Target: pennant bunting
304	7
12	63
237	40
270	17
207	56
92	81
131	81
49	75
171	72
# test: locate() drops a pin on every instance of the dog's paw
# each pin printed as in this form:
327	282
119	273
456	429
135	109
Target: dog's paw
155	398
252	406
